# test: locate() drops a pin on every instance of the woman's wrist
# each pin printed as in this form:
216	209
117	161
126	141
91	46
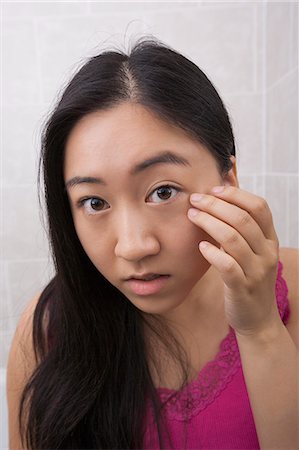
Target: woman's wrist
266	334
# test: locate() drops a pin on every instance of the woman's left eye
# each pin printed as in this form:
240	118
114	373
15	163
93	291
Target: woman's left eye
165	192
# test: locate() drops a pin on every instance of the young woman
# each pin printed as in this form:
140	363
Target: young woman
168	323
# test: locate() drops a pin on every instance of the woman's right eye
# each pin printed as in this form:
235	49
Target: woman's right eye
93	202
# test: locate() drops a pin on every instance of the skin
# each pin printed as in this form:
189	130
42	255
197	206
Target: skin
133	230
231	282
142	232
137	235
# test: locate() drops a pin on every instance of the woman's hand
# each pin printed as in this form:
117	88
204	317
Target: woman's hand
247	261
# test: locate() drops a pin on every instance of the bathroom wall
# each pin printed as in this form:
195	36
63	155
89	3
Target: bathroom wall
248	49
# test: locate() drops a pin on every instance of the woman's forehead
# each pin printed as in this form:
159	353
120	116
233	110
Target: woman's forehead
124	124
115	139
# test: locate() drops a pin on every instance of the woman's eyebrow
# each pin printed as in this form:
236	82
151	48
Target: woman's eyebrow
166	157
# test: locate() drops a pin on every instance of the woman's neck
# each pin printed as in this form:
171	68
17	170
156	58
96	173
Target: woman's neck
198	324
203	309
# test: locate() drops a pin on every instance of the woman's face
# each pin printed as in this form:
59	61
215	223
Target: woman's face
127	224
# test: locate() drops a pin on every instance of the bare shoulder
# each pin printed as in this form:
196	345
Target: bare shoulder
290	272
20	366
290	261
22	340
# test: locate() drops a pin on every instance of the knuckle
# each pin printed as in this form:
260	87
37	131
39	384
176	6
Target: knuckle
273	255
261	275
230	267
244	219
277	243
274	262
210	202
231	237
261	205
271	219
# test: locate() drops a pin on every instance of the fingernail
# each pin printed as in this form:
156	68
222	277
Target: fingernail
195	197
203	244
192	212
218	189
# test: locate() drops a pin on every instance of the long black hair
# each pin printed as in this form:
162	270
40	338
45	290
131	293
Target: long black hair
92	377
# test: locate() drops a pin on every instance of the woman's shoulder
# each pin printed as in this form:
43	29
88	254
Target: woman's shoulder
22	345
20	366
289	258
23	330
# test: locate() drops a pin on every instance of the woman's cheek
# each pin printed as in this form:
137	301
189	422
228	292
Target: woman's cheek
171	225
188	235
91	240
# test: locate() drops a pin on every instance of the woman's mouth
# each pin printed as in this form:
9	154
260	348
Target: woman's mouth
147	287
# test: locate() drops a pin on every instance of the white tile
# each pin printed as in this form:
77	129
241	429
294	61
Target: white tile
273	188
4	299
65	44
23	235
294	35
260	185
4	444
16	10
278	40
260	45
27	278
124	6
225	3
5	339
247	183
246	116
293	202
282	125
19	64
21	130
276	196
219	40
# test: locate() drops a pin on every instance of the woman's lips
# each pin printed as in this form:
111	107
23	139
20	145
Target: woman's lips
141	287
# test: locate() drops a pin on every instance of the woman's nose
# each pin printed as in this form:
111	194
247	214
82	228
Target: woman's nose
135	240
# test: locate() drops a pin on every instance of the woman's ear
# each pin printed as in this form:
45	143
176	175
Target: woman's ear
231	178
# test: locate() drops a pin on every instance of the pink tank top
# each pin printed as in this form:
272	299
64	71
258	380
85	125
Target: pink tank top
213	411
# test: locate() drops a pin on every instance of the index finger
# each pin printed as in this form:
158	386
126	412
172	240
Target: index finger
256	206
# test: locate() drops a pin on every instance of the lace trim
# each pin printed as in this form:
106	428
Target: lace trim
281	290
218	373
209	384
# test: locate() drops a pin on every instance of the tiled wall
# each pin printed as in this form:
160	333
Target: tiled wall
248	49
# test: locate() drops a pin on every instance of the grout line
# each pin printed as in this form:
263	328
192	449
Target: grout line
244	93
165	9
264	99
61	1
287	202
23	185
290	36
255	183
255	50
9	297
43	104
287	74
293	43
38	60
1	131
25	260
88	10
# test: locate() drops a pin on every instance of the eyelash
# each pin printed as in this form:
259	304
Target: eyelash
83	201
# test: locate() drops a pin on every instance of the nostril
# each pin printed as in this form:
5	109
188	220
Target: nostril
135	250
